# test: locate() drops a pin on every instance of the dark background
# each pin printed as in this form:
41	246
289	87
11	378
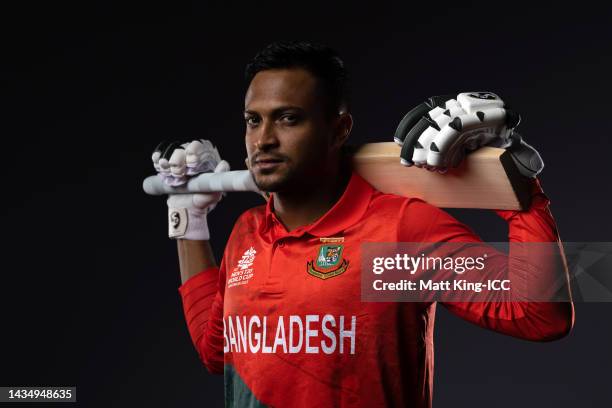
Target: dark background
88	283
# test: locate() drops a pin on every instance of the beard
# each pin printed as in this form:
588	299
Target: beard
290	175
275	181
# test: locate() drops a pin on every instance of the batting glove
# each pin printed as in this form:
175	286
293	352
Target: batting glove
175	164
438	133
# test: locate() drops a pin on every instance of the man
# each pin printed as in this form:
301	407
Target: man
283	332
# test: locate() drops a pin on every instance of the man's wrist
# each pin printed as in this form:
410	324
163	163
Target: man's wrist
184	223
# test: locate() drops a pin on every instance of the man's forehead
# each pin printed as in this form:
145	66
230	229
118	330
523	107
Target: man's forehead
281	87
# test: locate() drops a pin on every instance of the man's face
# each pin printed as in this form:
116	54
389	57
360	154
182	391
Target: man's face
289	136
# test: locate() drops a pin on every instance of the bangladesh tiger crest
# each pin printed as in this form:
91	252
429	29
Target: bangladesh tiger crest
329	261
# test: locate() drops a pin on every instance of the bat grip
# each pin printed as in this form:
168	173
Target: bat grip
239	180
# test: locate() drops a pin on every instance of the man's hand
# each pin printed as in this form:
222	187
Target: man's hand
175	164
438	133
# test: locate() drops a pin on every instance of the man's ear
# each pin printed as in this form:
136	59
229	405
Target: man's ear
344	125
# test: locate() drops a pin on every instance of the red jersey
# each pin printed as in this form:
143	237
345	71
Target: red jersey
286	334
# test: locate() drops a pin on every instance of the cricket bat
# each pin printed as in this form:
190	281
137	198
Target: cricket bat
487	178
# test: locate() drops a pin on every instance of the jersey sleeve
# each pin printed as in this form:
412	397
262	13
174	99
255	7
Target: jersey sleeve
537	321
202	296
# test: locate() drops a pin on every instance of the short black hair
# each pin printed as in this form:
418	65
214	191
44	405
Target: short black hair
321	61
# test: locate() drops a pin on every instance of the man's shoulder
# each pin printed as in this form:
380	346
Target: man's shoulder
416	219
252	217
412	210
398	202
252	214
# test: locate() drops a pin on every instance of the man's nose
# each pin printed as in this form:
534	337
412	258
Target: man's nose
267	137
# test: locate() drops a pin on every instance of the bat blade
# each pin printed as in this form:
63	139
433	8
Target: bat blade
487	178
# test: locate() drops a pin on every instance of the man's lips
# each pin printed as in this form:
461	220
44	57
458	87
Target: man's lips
267	162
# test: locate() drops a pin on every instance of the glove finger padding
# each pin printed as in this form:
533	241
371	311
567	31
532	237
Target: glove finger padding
439	119
161	157
464	133
441	137
411	118
169	162
201	157
175	161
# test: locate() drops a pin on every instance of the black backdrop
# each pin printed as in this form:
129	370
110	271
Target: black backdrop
88	289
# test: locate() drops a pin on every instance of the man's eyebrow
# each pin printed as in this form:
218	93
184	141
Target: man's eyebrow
276	111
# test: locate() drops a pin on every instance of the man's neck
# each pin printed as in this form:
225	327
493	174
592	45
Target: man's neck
306	205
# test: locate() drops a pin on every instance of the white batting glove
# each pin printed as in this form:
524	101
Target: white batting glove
175	164
438	133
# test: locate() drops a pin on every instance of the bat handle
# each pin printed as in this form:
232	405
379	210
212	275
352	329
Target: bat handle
239	180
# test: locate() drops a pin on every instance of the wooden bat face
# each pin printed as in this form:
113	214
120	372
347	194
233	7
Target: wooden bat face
487	178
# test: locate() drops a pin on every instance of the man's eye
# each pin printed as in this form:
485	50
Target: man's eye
251	121
290	119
